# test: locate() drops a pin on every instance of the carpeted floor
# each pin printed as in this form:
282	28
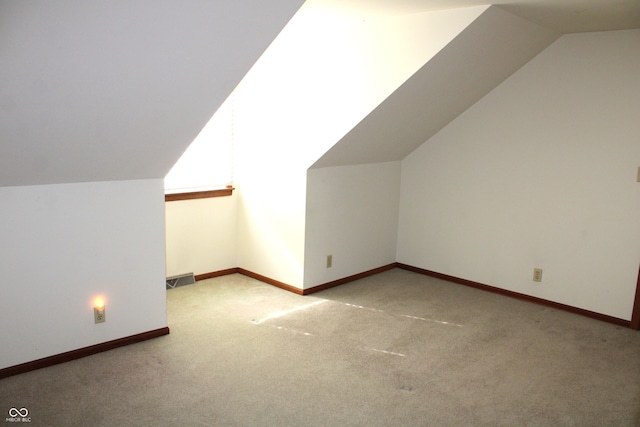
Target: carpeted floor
395	349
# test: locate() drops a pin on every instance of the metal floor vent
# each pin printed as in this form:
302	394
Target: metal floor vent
180	280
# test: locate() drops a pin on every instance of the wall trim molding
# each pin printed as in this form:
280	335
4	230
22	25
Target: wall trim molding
635	315
81	352
133	339
270	281
348	279
291	288
446	277
218	273
517	295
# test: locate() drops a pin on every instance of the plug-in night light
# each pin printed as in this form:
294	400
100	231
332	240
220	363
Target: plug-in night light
98	310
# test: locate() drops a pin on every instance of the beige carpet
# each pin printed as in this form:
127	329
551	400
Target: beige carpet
395	349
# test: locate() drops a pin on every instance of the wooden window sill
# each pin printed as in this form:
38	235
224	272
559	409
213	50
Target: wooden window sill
173	197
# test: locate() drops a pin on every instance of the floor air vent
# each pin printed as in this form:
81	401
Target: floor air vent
180	280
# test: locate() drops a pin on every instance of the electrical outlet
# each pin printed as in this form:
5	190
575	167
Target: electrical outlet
99	315
537	275
329	261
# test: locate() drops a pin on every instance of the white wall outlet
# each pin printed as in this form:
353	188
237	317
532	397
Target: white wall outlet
329	261
537	275
99	315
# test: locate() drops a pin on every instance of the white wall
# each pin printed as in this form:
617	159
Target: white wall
322	75
201	235
352	214
63	245
539	173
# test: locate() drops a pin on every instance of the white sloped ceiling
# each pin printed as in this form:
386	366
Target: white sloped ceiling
116	90
483	55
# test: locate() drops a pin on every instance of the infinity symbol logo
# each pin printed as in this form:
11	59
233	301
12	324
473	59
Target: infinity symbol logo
22	412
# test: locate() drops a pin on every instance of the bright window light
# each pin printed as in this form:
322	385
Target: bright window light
208	162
